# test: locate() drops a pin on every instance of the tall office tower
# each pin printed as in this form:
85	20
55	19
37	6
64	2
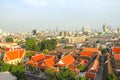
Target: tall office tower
106	28
86	30
62	33
35	31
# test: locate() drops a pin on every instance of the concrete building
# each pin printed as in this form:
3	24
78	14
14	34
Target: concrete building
35	31
86	30
80	39
106	28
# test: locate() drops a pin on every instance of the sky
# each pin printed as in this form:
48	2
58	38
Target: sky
26	15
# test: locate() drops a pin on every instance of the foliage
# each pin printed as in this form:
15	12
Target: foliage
34	70
20	42
103	50
64	74
9	39
47	45
81	78
18	70
44	51
67	47
112	76
81	67
30	44
29	54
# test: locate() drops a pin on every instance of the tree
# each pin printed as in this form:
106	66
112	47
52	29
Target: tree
63	74
81	67
30	44
9	39
16	70
67	47
103	50
47	45
29	54
112	76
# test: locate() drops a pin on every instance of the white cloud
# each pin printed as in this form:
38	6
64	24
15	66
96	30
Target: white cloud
41	3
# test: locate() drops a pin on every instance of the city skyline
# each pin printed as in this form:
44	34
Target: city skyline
26	15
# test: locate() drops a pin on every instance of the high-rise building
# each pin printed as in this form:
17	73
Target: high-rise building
86	30
106	28
35	31
118	30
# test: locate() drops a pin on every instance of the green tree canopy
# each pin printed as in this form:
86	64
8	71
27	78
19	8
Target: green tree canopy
112	76
103	50
47	44
9	39
16	70
30	44
63	74
81	67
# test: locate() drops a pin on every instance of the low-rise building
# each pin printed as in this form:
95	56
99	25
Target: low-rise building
14	56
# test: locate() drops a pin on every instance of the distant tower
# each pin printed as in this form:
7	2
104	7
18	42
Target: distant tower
57	29
35	31
62	33
86	30
106	28
118	30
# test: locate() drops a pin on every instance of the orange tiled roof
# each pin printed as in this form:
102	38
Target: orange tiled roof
116	49
91	49
84	62
67	60
42	61
76	51
47	63
38	57
86	53
117	56
11	55
95	66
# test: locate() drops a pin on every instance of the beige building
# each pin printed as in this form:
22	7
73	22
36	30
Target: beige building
79	39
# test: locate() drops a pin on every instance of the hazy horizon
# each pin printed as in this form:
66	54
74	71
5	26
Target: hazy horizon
26	15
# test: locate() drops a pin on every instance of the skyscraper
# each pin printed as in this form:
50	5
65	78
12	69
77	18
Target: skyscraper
106	28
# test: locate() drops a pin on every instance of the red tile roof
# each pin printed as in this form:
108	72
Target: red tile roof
95	66
91	49
84	62
90	75
38	57
117	56
7	49
11	55
67	60
42	61
86	53
116	49
47	63
76	51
